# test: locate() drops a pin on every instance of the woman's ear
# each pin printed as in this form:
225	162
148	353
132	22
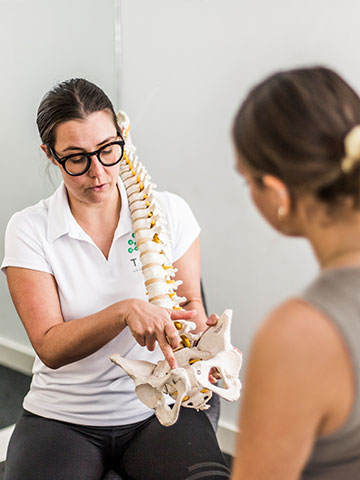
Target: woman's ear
280	192
47	152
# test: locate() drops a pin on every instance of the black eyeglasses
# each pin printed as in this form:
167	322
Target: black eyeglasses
79	163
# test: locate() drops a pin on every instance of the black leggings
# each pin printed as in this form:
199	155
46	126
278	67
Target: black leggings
45	449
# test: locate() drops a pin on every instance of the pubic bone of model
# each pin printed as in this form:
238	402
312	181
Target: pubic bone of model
188	384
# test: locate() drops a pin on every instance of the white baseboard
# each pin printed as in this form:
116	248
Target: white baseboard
5	435
226	435
16	356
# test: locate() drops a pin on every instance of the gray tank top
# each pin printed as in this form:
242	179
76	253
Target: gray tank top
336	293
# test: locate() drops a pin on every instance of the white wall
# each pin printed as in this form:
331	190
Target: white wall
185	67
43	42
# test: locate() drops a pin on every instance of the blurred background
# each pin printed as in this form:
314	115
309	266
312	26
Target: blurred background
180	69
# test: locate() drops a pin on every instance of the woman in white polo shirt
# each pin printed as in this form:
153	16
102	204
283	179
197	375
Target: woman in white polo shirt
80	294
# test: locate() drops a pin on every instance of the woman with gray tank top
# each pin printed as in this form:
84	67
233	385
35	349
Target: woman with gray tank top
297	137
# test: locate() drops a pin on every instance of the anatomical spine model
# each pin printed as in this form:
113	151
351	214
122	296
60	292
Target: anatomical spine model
188	384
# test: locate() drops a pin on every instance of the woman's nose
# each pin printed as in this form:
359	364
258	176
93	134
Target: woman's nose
96	168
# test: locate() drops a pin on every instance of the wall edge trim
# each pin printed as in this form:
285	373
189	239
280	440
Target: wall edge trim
16	356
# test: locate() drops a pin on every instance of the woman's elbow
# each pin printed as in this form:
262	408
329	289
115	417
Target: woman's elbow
49	357
51	361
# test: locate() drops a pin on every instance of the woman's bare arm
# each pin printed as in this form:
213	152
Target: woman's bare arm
59	343
298	385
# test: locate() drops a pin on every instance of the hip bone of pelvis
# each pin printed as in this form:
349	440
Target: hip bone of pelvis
188	384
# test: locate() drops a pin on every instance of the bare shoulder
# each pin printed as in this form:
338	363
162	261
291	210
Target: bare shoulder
299	349
298	328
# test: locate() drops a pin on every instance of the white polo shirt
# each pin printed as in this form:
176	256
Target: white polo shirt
46	237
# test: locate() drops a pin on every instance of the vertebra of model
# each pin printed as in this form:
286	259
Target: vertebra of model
199	354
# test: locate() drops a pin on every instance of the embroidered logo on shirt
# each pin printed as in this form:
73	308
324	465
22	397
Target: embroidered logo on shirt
132	248
132	244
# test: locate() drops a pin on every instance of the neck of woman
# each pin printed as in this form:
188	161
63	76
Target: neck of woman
98	220
337	244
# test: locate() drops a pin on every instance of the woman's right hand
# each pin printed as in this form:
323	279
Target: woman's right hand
149	324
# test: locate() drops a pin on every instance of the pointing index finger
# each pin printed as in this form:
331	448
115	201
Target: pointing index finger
167	350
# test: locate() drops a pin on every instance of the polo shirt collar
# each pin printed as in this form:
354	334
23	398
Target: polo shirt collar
61	221
125	223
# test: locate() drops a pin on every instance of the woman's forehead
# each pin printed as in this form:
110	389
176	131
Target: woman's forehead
92	130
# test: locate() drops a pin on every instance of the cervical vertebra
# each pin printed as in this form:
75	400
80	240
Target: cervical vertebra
188	384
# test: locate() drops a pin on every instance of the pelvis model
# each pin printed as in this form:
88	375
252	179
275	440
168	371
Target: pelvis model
188	384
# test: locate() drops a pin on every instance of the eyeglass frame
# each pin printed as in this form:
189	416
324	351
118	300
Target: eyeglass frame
88	155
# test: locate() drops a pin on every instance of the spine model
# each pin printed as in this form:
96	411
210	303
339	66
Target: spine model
188	384
151	234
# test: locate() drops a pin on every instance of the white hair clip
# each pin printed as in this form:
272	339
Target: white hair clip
352	150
